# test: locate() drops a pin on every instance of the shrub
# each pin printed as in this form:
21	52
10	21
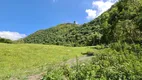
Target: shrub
89	53
3	40
110	64
100	47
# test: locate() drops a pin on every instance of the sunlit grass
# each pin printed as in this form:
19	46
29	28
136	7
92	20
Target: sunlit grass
20	60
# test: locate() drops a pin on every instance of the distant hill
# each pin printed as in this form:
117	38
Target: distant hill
122	22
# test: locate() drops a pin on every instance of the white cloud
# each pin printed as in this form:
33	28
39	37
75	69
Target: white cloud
98	7
11	35
91	14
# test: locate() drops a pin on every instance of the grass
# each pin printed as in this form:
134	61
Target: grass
21	60
118	61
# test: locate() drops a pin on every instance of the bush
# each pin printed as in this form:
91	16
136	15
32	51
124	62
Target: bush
110	64
3	40
88	53
100	47
19	41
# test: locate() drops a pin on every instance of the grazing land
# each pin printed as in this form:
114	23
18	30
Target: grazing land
18	61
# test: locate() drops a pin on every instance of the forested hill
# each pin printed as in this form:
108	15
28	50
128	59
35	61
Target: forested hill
55	35
123	22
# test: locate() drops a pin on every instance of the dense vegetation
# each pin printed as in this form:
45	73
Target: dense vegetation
18	61
3	40
120	61
120	23
120	58
55	35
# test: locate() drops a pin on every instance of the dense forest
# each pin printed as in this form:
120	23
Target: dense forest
56	35
122	22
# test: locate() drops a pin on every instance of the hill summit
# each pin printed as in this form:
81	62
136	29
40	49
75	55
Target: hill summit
122	22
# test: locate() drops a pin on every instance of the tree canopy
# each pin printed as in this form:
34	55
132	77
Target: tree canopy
122	22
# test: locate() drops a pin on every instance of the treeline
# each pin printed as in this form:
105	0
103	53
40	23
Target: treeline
3	40
120	23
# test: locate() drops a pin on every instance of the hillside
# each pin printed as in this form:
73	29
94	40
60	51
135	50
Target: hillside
120	23
20	60
121	61
56	35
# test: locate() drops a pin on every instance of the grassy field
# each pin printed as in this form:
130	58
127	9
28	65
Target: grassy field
21	60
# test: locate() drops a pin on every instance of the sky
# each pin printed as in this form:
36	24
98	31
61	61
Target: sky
20	18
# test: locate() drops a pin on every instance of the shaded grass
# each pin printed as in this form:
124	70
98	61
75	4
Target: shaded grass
21	60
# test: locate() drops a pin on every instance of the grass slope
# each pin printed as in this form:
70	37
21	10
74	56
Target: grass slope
21	60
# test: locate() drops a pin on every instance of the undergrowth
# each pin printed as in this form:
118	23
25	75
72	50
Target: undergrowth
121	61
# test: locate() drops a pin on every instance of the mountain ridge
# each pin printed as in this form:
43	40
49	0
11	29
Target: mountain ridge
122	22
